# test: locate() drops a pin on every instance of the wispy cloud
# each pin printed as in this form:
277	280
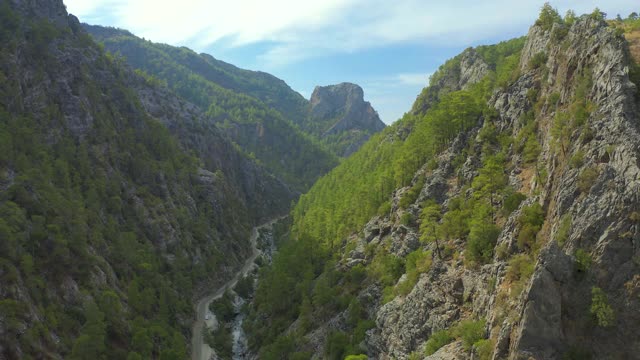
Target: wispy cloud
393	95
303	29
413	78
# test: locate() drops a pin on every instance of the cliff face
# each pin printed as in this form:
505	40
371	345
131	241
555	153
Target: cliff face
587	181
339	111
118	199
519	238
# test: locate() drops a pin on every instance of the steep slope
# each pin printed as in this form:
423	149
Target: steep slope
265	87
343	121
497	220
339	115
109	224
252	108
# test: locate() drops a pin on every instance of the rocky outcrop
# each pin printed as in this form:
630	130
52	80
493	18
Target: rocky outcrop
587	186
51	10
459	73
337	110
344	103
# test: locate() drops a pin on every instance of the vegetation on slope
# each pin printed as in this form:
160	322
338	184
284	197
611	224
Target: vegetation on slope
252	108
105	228
341	202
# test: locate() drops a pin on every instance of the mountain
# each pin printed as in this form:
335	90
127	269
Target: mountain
497	220
251	108
119	200
336	116
339	115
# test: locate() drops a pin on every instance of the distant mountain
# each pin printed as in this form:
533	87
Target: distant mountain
225	91
339	115
251	108
265	87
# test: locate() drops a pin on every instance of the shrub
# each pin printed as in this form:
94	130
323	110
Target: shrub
416	263
484	349
532	95
385	208
470	332
512	202
601	309
532	215
387	268
412	195
356	357
520	267
406	219
554	98
531	150
563	230
538	60
583	261
586	179
488	133
530	221
502	251
527	237
437	340
482	239
360	332
577	160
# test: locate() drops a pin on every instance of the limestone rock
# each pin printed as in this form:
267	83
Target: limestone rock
340	109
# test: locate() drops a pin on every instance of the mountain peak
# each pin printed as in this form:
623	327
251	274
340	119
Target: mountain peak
341	94
342	108
53	10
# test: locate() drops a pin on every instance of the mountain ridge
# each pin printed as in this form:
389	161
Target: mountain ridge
272	92
494	221
109	222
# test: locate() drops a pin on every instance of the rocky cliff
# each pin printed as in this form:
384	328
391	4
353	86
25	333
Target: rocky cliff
586	186
515	237
339	114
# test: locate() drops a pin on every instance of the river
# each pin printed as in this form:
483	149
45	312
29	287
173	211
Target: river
202	351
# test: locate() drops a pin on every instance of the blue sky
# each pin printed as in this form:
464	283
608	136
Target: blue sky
388	47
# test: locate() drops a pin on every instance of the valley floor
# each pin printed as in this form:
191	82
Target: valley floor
201	350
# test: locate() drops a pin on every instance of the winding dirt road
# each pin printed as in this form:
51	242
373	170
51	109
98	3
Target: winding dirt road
200	350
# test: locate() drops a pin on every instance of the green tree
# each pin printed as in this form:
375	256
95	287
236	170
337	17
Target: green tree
570	17
600	308
91	342
483	235
491	178
548	17
429	218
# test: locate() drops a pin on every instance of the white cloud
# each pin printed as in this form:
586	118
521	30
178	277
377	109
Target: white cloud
413	78
302	29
